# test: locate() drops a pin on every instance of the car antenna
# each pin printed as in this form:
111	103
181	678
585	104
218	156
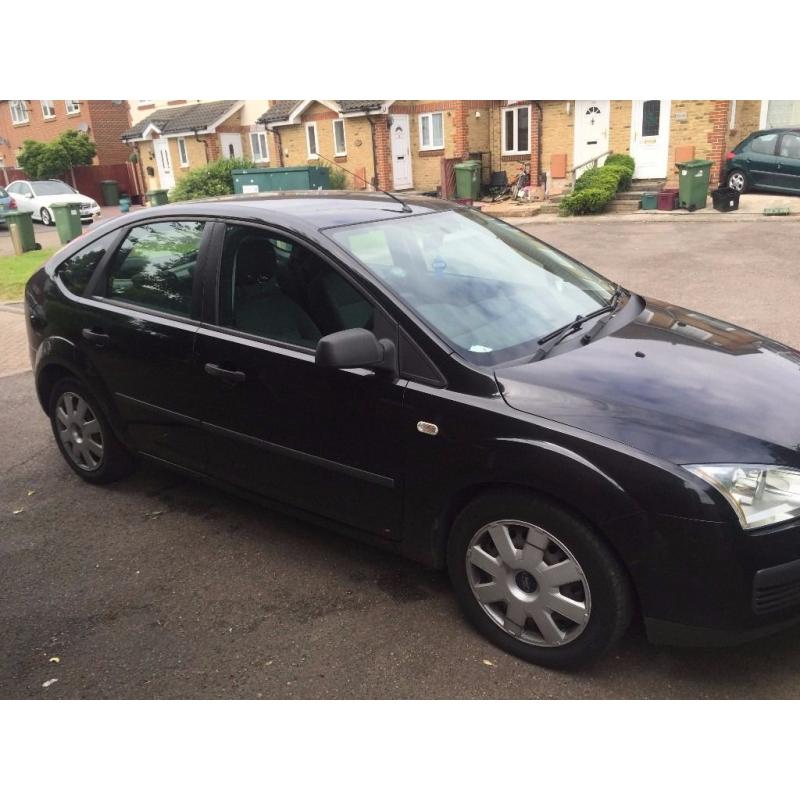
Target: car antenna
405	207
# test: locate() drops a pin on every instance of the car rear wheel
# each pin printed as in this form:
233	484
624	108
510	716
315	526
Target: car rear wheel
536	580
84	436
737	180
45	216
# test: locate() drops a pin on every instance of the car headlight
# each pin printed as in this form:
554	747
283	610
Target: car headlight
760	495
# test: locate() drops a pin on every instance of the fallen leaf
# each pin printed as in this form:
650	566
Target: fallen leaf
489	663
31	492
17	510
55	660
154	514
49	683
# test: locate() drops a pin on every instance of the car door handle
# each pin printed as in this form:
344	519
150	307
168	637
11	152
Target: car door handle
231	375
96	337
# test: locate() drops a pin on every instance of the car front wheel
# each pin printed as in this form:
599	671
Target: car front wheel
45	217
84	436
536	580
737	180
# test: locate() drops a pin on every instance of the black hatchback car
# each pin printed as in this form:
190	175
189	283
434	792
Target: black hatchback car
417	374
768	160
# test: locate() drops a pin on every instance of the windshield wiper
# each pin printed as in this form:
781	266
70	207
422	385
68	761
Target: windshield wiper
554	338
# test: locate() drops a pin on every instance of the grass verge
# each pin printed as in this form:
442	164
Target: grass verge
15	271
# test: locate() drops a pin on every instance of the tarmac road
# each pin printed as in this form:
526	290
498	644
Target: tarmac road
159	587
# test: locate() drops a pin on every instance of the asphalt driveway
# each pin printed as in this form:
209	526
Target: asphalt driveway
159	587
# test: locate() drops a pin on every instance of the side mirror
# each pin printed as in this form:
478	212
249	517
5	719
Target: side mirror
356	347
29	195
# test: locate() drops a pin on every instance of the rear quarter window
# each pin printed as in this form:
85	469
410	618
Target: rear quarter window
76	271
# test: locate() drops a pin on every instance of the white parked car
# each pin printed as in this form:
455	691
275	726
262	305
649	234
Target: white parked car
39	197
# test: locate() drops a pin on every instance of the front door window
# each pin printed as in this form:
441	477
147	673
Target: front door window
651	117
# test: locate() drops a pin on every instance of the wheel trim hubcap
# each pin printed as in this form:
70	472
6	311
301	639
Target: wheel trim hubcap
79	431
736	182
528	583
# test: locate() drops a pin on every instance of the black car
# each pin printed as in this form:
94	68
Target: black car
768	160
420	375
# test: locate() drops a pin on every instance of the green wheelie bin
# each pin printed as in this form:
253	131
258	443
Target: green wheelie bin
110	190
693	177
157	197
68	221
468	179
20	226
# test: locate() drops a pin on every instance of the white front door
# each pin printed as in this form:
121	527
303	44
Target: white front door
401	152
591	131
650	137
166	180
231	145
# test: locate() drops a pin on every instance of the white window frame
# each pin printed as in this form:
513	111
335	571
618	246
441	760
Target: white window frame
314	155
515	115
429	116
19	112
336	151
73	107
183	153
141	103
263	147
48	109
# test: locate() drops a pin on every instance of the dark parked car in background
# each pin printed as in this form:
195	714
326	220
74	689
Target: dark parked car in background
419	375
768	160
7	203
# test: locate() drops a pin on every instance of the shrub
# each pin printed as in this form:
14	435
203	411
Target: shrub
51	159
210	180
337	177
597	186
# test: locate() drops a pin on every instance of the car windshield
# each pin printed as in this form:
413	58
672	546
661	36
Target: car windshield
51	187
490	290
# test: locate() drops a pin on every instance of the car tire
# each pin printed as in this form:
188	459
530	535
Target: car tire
543	535
84	435
45	216
737	181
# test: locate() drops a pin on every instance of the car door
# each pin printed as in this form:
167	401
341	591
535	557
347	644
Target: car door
329	442
136	331
789	158
761	161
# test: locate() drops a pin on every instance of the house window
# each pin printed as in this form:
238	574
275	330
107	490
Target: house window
516	130
258	144
48	109
311	139
19	111
183	155
73	106
431	131
339	145
145	102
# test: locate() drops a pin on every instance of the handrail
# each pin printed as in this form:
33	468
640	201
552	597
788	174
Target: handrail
592	161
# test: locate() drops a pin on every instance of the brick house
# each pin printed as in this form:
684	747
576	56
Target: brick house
392	144
181	135
43	120
557	136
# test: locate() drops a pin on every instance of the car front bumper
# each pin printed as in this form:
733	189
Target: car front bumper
709	583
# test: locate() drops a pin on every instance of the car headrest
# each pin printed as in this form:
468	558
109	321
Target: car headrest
255	261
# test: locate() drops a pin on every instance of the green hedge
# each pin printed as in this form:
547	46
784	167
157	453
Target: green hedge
596	187
210	180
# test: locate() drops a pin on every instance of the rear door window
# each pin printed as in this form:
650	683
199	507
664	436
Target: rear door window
765	145
155	266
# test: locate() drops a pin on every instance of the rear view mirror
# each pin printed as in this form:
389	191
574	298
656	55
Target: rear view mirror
356	347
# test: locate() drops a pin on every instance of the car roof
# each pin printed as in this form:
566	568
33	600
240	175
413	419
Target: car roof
791	129
317	209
